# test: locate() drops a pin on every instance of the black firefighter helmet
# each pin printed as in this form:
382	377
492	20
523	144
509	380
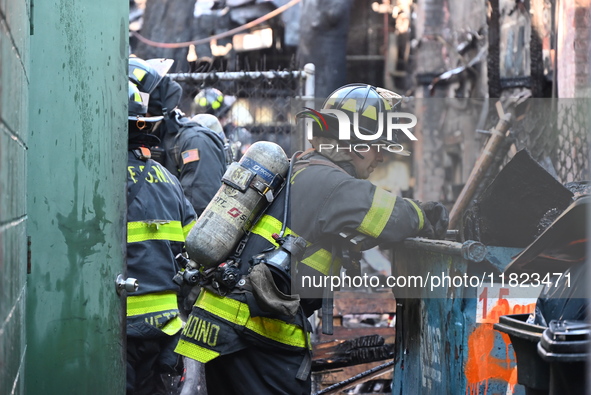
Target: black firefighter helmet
147	74
367	103
138	105
211	101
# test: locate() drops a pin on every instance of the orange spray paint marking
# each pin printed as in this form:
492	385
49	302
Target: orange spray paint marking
481	365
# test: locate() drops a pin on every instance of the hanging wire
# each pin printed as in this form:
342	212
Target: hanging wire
228	33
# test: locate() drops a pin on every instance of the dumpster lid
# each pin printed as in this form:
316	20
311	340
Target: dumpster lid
516	325
569	330
565	341
509	210
560	246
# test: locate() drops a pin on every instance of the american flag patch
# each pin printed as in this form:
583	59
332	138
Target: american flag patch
191	155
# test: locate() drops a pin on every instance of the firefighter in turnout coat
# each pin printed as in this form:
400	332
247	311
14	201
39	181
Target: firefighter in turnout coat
158	219
254	337
194	154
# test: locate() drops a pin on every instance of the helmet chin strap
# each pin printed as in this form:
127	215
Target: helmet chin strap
356	153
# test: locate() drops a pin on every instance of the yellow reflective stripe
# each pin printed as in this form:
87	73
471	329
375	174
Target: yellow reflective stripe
320	261
139	74
239	313
194	351
350	105
187	228
267	225
141	231
226	308
330	101
151	303
278	331
172	326
377	217
371	112
419	213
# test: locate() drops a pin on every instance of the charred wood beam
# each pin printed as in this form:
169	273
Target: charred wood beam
355	351
353	379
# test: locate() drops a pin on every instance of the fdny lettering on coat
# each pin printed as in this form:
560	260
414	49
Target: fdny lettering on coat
160	319
202	331
155	175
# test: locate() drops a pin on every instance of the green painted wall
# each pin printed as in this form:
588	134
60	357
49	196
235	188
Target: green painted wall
14	81
76	196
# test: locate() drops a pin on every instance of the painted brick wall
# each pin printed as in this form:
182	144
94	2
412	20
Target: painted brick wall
76	178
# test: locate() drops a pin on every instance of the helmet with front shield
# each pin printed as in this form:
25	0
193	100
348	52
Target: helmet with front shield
364	108
147	74
138	107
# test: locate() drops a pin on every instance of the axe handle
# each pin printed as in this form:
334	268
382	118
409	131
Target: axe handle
484	161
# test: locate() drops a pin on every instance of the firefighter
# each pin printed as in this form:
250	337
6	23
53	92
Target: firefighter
158	219
212	101
193	153
253	334
212	122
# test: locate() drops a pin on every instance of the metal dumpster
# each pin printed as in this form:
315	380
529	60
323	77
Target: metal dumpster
445	341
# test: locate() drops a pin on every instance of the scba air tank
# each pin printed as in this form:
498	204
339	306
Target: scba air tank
248	186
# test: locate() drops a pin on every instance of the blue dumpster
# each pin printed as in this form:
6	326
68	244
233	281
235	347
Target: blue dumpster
445	340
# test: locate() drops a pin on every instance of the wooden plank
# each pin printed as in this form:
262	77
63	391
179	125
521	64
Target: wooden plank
349	302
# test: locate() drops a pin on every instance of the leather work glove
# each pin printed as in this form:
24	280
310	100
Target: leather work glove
436	220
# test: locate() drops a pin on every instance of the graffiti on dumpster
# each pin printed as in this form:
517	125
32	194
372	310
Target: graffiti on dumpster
482	365
430	354
494	302
490	356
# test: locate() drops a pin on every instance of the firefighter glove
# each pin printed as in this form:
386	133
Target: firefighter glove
436	220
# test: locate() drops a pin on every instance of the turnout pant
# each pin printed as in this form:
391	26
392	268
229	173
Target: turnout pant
256	370
147	360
